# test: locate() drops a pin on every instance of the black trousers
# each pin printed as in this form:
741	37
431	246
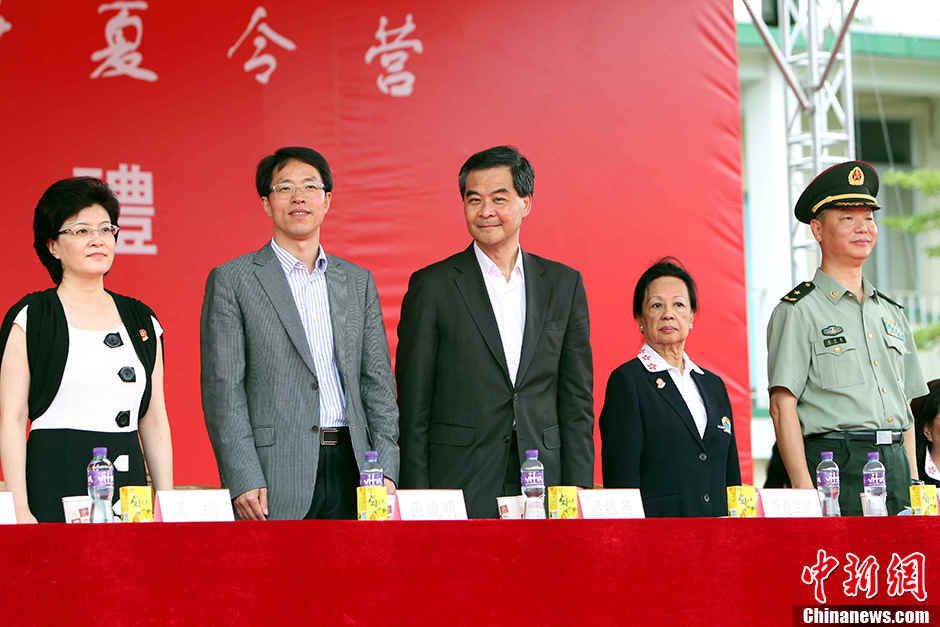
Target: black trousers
512	482
337	478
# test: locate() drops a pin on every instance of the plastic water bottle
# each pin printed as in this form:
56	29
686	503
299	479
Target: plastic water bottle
873	479
533	485
371	474
827	485
100	485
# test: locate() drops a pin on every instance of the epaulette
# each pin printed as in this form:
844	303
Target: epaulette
799	292
895	303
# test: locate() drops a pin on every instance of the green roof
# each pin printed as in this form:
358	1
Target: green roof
878	44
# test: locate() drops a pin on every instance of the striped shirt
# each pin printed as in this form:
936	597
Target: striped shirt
313	305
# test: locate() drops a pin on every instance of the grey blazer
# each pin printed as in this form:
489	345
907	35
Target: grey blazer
259	385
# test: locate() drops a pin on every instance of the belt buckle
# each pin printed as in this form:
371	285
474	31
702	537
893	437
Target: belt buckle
883	437
329	436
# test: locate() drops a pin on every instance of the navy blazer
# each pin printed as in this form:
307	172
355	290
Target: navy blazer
649	441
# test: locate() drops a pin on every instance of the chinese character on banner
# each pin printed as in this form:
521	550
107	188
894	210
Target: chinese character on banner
257	59
134	190
121	57
907	575
816	574
862	576
398	81
4	25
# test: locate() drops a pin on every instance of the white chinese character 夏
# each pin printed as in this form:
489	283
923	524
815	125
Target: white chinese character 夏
907	575
862	576
257	59
121	57
398	81
817	574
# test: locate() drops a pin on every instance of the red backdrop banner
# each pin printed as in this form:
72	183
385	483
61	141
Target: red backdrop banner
628	112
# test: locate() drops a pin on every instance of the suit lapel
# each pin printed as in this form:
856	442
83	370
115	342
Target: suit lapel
271	276
469	281
338	293
537	292
671	393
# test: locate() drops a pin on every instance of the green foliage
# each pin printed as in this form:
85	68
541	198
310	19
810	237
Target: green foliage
926	337
924	179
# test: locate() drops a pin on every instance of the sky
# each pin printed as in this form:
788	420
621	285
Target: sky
908	17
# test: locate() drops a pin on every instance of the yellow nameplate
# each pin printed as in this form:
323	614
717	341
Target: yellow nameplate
562	501
372	502
136	503
924	500
742	501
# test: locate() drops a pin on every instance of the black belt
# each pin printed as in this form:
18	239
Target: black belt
860	436
331	436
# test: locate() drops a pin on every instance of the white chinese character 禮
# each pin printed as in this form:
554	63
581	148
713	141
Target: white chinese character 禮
4	25
121	57
134	190
260	42
398	82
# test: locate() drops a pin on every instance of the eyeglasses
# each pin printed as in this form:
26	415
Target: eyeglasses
83	232
287	190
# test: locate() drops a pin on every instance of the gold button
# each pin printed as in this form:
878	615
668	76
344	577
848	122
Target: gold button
837	349
833	293
869	336
890	418
884	390
876	362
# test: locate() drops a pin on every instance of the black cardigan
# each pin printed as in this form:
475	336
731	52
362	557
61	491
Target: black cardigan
47	343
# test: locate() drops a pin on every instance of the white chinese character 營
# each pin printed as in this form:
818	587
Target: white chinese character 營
907	575
816	574
257	59
4	26
134	190
862	576
398	82
121	57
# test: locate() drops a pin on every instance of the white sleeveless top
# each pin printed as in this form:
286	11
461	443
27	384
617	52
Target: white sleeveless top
92	394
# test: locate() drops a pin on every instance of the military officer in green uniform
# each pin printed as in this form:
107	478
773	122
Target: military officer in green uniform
842	366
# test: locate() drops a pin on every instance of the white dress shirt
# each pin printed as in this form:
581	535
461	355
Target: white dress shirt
654	362
508	301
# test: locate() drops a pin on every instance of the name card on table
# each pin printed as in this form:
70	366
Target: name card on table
430	505
193	506
924	500
790	503
7	511
616	503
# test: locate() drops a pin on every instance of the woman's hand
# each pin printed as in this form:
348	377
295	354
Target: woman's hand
25	517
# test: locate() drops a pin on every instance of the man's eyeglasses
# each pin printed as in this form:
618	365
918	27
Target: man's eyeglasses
287	190
84	232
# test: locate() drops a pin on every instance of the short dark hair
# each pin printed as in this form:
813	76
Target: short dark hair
925	409
272	163
60	202
667	266
523	178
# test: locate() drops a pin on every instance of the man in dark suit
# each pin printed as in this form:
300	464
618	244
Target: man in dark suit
494	353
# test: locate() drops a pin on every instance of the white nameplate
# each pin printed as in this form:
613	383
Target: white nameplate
7	512
431	504
617	503
790	503
193	506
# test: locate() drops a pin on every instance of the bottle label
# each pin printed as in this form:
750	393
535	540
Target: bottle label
533	478
827	478
371	479
101	478
874	479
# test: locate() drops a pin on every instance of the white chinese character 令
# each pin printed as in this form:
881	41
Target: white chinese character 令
4	25
398	82
257	59
908	575
816	574
121	57
862	576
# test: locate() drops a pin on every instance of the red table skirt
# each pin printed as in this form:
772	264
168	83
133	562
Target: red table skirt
553	572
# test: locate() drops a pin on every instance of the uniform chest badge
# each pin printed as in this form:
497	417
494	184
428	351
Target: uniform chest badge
832	329
143	334
660	383
725	425
893	329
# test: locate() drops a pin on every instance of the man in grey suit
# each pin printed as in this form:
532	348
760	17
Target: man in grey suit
494	353
296	377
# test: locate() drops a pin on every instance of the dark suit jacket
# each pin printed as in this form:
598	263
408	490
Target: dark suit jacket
649	441
455	398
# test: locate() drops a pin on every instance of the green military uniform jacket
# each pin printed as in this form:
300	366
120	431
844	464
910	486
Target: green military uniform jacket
850	367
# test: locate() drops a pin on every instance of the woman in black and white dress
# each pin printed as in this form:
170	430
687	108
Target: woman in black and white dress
81	365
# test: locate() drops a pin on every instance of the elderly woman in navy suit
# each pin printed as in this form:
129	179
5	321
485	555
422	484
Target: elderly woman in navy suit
666	427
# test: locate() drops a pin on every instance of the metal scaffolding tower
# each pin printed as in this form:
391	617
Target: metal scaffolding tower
815	57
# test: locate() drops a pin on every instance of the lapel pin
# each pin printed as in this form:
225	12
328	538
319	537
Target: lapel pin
143	335
660	383
725	425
